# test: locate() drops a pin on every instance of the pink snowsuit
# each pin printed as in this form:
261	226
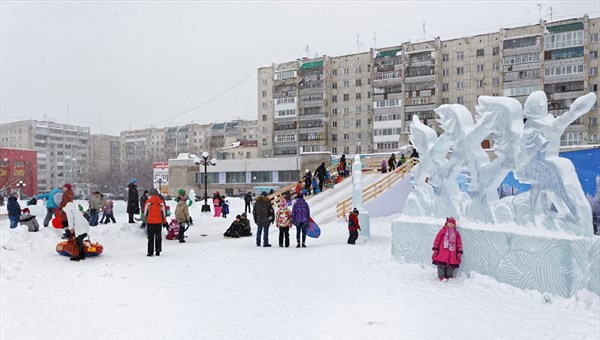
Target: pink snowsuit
447	247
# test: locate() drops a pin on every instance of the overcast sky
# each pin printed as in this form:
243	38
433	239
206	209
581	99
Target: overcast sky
119	65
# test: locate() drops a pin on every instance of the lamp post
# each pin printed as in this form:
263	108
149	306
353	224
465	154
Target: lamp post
20	185
159	185
204	161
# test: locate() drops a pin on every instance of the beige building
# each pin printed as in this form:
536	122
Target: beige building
62	150
395	83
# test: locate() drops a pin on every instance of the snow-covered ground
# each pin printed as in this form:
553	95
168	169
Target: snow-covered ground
216	288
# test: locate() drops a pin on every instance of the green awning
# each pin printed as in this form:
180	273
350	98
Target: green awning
311	64
576	26
390	53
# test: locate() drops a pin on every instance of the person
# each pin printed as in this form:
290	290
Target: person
307	181
248	202
66	198
102	208
263	216
353	226
1	200
414	153
29	220
182	214
235	228
320	174
217	204
246	228
94	206
402	160
283	222
51	205
156	218
342	167
14	210
299	188
447	250
300	218
224	207
383	166
109	214
78	227
392	162
143	200
315	185
133	201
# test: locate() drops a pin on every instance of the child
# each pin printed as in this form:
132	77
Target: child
217	204
29	220
182	214
225	207
447	250
108	212
353	226
383	166
283	220
235	228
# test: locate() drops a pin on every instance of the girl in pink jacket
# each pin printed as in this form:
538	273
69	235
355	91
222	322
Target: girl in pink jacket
447	250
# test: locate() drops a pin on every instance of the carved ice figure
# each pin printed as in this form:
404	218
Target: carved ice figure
556	196
503	118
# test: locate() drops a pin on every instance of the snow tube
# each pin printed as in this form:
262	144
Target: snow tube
69	247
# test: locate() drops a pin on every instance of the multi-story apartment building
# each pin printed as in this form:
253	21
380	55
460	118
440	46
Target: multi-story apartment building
560	58
62	150
104	157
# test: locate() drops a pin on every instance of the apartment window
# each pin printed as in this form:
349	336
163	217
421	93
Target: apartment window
480	52
593	37
334	72
346	123
357	82
445	57
346	83
346	136
334	137
358	95
496	50
593	87
460	100
460	70
334	124
593	54
264	106
264	118
480	83
593	121
264	93
334	112
593	71
358	122
334	150
346	149
496	81
479	67
346	110
358	109
334	98
445	72
346	97
460	55
445	101
445	87
346	70
264	142
334	85
264	82
460	85
496	66
259	177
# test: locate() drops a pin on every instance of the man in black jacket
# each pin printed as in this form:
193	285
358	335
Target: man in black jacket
264	215
248	201
133	202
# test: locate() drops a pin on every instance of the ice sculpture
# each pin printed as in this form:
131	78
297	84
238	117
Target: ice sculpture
357	201
556	200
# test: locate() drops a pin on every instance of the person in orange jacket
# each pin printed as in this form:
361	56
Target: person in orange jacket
156	218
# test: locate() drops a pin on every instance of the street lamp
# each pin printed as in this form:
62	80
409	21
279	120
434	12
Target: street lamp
159	184
204	161
21	184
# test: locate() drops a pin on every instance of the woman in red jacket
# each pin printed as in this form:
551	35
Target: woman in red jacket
447	250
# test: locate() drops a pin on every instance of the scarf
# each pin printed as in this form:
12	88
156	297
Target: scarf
450	239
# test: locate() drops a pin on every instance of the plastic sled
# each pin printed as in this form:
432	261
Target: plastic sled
69	248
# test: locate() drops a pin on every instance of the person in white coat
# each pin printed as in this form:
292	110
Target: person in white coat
79	226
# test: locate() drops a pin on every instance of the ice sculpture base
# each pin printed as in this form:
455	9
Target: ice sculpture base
556	263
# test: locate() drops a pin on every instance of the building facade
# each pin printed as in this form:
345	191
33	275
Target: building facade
367	100
18	172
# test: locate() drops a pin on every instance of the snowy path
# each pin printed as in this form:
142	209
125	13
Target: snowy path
215	288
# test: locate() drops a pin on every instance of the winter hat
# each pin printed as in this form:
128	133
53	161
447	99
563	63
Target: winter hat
14	193
25	211
244	214
68	186
145	191
283	202
264	193
181	192
238	217
450	220
355	211
133	180
154	191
